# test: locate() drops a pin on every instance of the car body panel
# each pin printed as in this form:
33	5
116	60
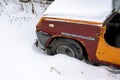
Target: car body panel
106	52
87	34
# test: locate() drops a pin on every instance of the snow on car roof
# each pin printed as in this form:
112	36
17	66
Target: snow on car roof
86	10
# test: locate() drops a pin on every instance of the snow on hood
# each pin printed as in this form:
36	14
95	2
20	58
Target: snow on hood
86	10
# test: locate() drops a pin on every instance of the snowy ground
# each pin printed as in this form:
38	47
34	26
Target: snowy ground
21	60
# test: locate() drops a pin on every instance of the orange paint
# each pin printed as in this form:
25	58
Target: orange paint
107	53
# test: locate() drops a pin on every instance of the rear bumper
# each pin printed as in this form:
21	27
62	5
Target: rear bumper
43	37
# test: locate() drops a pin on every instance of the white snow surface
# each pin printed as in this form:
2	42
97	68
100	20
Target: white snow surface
86	10
21	60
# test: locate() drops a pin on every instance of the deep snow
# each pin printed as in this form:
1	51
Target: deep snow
21	60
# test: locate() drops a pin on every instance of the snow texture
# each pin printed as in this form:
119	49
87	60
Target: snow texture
21	60
86	10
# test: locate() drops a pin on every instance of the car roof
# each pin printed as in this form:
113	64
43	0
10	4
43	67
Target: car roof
85	10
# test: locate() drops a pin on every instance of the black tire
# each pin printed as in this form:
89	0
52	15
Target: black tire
118	41
68	47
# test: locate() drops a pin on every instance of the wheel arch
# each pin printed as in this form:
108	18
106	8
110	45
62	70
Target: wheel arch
54	39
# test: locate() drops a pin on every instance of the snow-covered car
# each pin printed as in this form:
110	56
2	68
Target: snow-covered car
84	29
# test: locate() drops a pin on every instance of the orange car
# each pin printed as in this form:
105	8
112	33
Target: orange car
84	29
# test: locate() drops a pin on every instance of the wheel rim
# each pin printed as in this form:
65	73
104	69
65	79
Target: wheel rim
65	50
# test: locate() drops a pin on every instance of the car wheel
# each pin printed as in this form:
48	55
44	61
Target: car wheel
67	47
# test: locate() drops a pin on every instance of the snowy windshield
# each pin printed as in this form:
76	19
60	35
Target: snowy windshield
87	10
